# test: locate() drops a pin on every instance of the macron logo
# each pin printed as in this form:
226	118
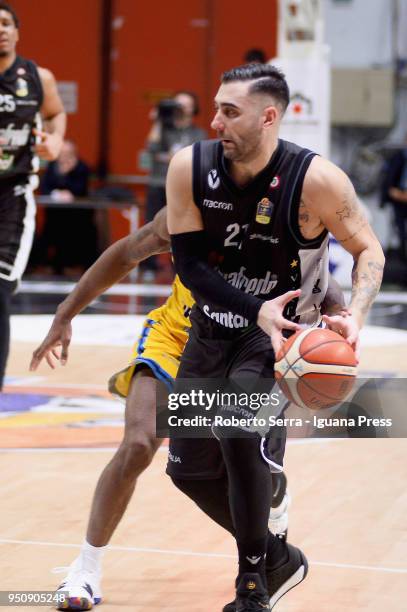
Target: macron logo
216	204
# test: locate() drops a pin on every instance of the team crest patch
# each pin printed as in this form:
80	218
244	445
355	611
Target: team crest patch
264	210
22	88
213	179
275	182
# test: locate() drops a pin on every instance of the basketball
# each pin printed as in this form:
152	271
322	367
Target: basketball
316	368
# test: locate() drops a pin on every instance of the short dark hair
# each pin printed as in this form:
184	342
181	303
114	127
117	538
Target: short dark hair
6	7
255	55
192	95
267	79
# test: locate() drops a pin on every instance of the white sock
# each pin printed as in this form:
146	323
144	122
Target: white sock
90	557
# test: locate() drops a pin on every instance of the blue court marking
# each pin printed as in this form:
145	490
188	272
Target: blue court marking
12	402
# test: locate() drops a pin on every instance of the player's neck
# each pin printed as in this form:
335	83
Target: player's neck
6	61
243	172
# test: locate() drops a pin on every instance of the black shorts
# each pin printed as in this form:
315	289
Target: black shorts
217	353
17	224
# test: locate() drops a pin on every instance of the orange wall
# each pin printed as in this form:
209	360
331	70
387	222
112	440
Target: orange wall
64	36
158	48
161	47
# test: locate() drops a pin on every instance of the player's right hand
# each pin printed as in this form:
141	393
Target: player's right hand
59	335
272	322
348	327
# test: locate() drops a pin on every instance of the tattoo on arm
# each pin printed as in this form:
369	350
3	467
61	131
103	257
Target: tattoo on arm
303	214
343	240
366	285
146	243
351	209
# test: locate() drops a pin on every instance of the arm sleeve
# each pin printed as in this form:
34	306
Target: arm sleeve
190	254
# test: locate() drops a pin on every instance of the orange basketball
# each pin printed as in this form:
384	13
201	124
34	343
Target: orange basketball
316	368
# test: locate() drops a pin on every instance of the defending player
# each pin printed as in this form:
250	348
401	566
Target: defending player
26	93
156	357
165	328
249	217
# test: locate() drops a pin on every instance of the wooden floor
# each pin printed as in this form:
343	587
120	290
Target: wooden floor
348	512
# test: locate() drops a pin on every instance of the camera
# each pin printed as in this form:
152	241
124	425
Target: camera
168	111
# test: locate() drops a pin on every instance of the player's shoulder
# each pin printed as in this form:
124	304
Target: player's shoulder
323	177
183	156
45	75
181	164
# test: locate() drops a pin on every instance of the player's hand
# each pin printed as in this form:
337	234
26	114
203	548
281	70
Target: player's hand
347	326
49	146
59	335
272	322
336	309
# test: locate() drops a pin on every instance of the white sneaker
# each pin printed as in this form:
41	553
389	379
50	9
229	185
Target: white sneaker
278	519
82	587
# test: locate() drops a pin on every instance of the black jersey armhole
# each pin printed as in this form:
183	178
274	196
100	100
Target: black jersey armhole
32	69
196	173
296	181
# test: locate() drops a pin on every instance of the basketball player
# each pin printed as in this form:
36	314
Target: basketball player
156	358
249	217
26	91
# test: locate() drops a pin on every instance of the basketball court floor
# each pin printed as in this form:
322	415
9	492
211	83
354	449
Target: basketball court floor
59	428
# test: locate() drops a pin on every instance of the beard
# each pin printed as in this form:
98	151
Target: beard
4	53
244	151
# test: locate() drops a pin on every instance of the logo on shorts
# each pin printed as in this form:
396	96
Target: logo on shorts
174	458
213	179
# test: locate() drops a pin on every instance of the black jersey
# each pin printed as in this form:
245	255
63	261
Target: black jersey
254	238
21	97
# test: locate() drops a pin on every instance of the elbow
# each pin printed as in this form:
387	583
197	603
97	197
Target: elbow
373	253
380	256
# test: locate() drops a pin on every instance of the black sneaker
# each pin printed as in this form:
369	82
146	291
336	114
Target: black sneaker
282	579
287	576
251	594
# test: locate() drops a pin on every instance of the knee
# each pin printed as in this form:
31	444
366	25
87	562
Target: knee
135	455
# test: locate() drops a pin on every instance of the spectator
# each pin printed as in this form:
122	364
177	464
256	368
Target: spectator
395	192
65	180
255	56
173	129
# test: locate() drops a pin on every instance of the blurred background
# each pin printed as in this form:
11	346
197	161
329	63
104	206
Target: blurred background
138	81
119	63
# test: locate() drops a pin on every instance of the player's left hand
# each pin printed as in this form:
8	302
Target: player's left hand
49	146
347	326
54	346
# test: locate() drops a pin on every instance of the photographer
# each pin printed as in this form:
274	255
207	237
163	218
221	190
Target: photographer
172	130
